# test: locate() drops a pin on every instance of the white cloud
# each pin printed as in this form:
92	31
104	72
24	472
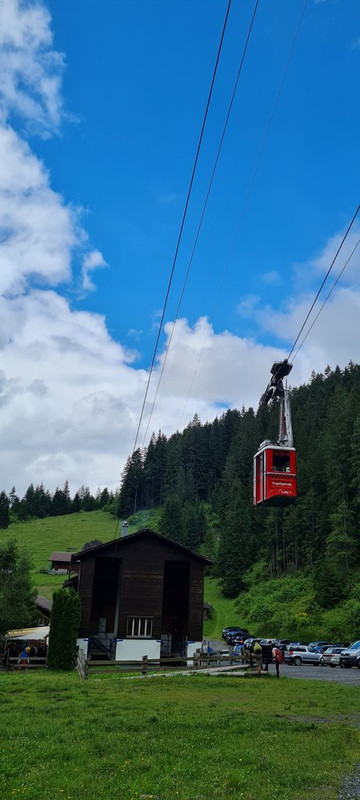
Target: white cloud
321	263
247	305
30	69
271	278
38	231
93	260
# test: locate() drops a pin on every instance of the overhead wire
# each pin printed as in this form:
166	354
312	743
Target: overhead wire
203	212
343	240
247	198
183	220
326	298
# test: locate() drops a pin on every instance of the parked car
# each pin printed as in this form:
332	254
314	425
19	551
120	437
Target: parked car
301	654
320	646
230	629
240	638
331	656
233	635
248	643
351	656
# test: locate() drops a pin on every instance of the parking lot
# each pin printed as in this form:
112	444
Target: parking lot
349	677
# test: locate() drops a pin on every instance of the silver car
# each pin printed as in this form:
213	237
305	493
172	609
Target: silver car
301	654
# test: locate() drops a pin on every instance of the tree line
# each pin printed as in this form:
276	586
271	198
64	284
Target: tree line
38	502
202	480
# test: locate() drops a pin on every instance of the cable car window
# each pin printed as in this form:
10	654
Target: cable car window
281	461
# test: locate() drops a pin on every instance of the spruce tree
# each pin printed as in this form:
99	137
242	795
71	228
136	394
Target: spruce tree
64	628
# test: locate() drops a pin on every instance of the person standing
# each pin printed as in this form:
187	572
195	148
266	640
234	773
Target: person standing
266	654
278	658
257	657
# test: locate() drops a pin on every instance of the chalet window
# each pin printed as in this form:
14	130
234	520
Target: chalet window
139	627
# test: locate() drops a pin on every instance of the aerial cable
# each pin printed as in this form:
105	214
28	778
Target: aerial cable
326	298
203	211
247	197
324	280
183	221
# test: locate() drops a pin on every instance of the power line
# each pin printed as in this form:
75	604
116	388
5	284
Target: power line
324	280
203	212
327	297
183	221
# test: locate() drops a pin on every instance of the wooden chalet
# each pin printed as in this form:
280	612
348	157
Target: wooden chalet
61	562
141	595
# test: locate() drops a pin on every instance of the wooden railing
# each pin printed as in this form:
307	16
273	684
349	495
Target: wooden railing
34	662
198	661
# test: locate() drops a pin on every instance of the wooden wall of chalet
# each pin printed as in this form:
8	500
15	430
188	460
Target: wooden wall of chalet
142	563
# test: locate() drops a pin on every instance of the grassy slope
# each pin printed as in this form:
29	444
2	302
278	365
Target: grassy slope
281	607
175	738
224	612
41	537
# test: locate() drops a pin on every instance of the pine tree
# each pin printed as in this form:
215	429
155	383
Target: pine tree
65	621
171	523
17	595
4	510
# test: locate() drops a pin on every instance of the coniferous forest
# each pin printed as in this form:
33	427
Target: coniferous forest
200	483
202	479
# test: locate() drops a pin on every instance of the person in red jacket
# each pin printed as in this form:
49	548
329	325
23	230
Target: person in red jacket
278	658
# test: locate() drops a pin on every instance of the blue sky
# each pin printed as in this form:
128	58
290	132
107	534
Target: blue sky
102	103
137	78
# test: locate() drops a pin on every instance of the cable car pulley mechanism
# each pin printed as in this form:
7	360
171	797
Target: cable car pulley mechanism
275	462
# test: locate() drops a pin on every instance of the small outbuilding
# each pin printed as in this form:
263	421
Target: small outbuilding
60	562
141	595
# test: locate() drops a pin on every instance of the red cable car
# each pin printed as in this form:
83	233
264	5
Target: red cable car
275	462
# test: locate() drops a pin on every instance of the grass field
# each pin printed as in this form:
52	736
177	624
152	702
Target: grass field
41	537
174	738
223	612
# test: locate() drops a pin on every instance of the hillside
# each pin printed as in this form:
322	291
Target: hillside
41	537
279	607
290	571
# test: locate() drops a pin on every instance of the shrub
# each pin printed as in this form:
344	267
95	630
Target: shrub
64	627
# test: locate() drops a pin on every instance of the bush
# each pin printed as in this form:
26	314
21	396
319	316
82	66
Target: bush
64	627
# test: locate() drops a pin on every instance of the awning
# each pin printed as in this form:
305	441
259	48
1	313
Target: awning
29	634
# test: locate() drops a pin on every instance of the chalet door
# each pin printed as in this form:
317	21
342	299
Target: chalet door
175	607
105	590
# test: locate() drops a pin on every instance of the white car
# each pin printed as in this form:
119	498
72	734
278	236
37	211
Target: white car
331	656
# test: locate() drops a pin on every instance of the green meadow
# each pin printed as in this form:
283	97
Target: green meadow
166	738
41	537
174	738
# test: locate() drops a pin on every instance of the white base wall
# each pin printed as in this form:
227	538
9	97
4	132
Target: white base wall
191	648
135	649
83	644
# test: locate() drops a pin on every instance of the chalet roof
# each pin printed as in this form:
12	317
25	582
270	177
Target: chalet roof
43	604
66	557
145	533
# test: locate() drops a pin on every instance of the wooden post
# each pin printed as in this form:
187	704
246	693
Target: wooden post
82	665
144	665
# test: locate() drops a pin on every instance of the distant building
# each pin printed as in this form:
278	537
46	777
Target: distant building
142	594
61	562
